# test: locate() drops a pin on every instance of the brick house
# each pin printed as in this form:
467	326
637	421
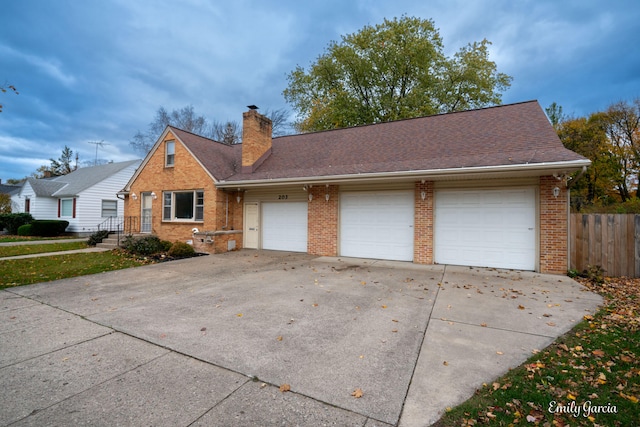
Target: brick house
484	187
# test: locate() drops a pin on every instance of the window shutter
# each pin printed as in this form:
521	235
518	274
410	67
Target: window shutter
74	208
59	203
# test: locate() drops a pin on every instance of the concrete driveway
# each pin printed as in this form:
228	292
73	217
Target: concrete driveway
208	341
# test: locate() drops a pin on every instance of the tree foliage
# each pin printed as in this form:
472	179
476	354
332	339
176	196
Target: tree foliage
611	140
392	71
7	88
58	167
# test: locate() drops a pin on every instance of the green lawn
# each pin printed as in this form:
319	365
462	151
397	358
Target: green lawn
7	251
580	380
43	269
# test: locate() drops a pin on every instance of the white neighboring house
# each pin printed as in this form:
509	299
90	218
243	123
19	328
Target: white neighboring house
86	197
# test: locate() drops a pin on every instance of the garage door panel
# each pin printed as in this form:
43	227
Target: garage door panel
377	225
284	226
486	228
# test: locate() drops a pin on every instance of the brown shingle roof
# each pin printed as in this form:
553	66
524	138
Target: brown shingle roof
515	134
219	159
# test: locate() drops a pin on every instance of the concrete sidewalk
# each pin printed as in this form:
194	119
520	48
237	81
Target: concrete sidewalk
45	242
209	341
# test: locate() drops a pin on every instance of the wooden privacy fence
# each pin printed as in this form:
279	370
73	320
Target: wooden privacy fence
611	241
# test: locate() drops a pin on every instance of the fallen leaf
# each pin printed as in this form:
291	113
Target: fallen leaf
445	363
203	329
598	353
384	306
279	338
499	352
357	393
394	330
521	307
314	305
285	387
394	320
531	419
239	314
484	325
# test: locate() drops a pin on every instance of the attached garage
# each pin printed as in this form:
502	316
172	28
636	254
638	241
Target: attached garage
377	225
284	226
486	228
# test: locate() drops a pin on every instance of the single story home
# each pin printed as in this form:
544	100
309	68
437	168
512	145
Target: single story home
485	187
86	197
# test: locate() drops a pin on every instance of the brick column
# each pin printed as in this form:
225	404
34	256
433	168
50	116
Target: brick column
423	223
323	221
553	226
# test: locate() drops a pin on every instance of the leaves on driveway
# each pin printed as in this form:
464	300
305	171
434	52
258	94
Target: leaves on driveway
357	393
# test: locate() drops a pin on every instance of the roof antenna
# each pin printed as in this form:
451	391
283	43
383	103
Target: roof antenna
100	144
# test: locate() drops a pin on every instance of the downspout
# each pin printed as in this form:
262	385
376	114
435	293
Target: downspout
582	172
226	219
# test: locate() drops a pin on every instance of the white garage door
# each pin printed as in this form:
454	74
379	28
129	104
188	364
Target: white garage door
486	228
284	226
377	225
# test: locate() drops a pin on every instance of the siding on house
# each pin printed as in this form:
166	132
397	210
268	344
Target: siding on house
89	202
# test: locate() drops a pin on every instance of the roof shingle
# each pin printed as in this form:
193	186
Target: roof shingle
514	134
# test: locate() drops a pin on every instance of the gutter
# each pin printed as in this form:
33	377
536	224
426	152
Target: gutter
414	174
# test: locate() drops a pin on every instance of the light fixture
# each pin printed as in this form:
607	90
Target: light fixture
556	192
326	197
423	195
238	198
154	195
310	197
134	196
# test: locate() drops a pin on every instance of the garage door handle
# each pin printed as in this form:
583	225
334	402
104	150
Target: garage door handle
252	229
530	228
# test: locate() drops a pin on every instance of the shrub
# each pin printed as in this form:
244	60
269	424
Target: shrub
181	250
25	230
594	273
147	245
48	227
97	237
14	220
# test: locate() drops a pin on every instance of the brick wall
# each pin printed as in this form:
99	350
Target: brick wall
186	174
553	226
323	221
423	223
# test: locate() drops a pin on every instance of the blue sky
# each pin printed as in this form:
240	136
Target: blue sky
99	70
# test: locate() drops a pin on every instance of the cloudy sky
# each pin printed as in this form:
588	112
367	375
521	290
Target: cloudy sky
98	70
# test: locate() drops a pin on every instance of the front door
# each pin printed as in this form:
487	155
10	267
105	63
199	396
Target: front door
251	223
145	223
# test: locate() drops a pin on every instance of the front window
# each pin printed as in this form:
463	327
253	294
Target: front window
171	153
66	208
183	206
109	208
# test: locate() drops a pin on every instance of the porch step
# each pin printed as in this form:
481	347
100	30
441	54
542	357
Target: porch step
110	242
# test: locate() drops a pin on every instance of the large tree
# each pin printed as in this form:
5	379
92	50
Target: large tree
622	124
611	140
392	71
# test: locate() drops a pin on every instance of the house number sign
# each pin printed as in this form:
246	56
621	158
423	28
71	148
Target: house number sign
283	196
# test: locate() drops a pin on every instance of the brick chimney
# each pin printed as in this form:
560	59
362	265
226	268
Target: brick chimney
256	139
